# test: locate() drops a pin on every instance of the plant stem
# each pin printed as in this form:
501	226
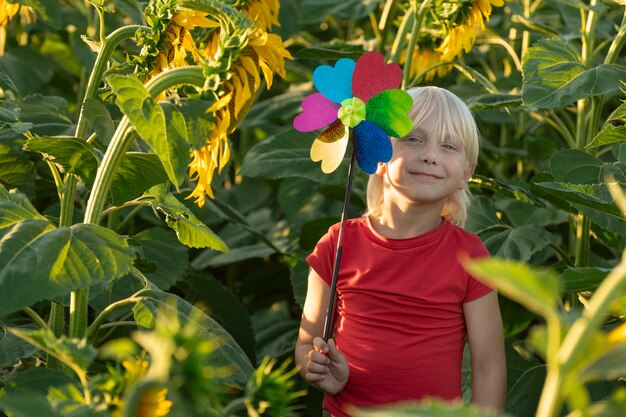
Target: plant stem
97	323
56	322
398	43
551	400
36	318
234	406
415	30
618	42
120	142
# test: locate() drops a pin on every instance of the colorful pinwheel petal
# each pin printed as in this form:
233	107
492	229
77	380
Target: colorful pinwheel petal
364	97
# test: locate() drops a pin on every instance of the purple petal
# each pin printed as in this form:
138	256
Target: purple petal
318	112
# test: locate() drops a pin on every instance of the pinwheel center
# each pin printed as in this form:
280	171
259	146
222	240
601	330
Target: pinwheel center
352	112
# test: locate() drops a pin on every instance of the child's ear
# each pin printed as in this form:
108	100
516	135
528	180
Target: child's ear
381	169
469	171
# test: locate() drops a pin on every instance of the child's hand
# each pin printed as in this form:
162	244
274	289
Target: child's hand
326	369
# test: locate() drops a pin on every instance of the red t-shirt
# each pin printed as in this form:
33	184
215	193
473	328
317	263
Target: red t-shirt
400	317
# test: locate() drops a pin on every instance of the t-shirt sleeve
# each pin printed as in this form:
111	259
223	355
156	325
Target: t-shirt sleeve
322	257
475	288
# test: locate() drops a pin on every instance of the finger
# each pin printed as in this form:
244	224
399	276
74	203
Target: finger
333	353
318	358
312	377
317	368
320	345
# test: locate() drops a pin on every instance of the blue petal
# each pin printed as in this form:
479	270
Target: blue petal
372	146
335	83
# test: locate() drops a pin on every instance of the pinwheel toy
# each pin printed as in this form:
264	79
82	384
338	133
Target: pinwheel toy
356	102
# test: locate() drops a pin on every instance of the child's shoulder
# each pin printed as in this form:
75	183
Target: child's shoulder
463	237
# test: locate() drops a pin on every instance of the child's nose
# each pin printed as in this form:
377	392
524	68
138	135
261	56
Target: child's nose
429	155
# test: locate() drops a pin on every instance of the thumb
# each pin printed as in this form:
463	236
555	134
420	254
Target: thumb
320	345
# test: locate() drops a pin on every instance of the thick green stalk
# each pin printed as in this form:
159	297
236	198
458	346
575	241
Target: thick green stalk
112	158
618	42
79	303
415	30
403	30
56	322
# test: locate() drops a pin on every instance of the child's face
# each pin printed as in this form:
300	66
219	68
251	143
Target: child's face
425	169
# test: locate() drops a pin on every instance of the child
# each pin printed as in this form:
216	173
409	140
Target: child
405	304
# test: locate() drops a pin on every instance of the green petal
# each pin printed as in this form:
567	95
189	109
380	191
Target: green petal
388	110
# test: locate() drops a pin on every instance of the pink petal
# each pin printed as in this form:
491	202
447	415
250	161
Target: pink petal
317	113
372	76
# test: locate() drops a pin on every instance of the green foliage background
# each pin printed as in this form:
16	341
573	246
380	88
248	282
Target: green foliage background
545	81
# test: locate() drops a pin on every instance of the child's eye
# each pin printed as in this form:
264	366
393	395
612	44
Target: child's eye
449	146
414	139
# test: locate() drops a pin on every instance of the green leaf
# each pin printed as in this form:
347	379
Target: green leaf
575	167
519	214
39	380
287	155
554	76
299	279
312	231
27	405
618	113
75	353
99	119
523	395
275	330
73	154
12	349
172	258
582	279
211	259
178	145
200	124
317	11
15	207
136	173
166	136
519	243
494	101
5	80
189	229
29	69
595	197
16	170
426	408
537	290
224	307
611	365
233	216
610	134
228	354
40	262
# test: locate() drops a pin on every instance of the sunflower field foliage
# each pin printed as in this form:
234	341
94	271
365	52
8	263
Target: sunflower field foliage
156	204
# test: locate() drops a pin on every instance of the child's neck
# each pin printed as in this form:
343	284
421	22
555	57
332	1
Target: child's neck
398	225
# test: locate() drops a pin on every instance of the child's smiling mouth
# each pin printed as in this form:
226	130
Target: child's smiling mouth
425	175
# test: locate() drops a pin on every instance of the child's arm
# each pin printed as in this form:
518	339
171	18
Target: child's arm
320	363
488	361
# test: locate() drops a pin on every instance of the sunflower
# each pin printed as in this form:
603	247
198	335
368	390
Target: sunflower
152	402
425	57
237	52
264	54
178	41
9	10
452	30
461	36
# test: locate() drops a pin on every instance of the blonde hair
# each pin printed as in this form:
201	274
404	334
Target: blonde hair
454	119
